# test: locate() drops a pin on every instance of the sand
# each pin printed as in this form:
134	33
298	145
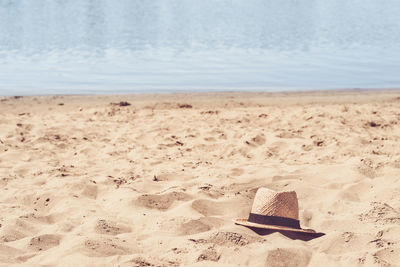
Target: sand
94	181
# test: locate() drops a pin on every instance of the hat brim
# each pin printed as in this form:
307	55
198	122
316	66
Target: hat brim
245	222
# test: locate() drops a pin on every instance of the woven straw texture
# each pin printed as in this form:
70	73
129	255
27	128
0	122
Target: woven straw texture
271	203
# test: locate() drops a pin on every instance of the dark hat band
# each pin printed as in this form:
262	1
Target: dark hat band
274	220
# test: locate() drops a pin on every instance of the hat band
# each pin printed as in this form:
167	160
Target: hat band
274	220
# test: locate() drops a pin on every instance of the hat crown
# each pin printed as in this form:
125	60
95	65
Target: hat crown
271	203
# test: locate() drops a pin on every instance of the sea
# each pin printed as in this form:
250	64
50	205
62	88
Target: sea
148	46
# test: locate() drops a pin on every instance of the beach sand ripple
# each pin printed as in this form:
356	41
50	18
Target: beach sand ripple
156	180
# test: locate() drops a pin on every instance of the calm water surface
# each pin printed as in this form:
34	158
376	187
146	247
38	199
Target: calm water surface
125	46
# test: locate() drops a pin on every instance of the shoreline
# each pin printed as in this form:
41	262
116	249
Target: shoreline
218	99
217	92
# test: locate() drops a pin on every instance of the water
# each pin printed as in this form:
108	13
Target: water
127	46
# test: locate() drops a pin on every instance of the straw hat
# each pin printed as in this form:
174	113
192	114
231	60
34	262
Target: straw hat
275	211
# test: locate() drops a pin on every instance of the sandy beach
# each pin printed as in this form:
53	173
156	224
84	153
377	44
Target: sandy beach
157	180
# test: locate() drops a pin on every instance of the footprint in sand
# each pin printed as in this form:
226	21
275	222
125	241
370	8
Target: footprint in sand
381	213
105	247
258	140
236	172
90	191
229	239
368	167
288	257
246	190
387	257
35	218
111	228
209	190
211	208
194	227
348	195
9	234
44	242
9	254
19	228
203	224
161	202
210	254
367	171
